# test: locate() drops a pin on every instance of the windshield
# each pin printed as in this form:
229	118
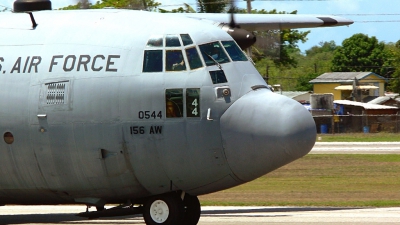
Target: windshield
234	51
215	51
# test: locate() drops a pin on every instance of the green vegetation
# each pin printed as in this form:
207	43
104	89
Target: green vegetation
151	5
359	137
394	84
211	6
361	53
321	180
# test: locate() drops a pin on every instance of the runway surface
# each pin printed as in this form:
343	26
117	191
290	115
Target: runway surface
356	148
212	215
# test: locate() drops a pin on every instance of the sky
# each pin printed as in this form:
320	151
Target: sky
374	18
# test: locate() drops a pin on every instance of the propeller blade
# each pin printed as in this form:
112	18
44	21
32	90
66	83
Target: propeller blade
232	23
84	4
145	5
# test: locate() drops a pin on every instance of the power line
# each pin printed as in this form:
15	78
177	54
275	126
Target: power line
378	21
297	0
228	2
367	14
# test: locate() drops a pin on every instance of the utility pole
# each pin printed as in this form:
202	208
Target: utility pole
248	6
249	12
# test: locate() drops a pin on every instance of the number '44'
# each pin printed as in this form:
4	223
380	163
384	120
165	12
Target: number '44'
195	104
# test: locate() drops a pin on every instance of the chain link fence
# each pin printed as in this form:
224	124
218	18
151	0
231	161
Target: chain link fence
389	123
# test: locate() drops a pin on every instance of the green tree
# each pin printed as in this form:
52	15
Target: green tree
361	53
303	82
186	9
394	83
296	78
323	47
211	6
151	5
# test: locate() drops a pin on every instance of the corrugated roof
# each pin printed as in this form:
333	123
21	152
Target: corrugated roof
380	100
293	94
364	105
343	77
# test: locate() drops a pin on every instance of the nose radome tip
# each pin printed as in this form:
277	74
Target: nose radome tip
263	131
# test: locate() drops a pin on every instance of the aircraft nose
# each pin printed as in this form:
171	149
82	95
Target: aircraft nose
263	131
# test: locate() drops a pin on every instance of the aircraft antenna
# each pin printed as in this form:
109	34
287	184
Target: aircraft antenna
28	6
31	5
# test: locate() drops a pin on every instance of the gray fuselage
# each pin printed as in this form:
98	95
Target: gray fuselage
90	126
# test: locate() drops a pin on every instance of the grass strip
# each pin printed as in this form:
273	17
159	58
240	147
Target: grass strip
333	180
359	137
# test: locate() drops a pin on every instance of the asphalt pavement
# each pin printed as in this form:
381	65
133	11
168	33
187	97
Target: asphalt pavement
356	148
44	215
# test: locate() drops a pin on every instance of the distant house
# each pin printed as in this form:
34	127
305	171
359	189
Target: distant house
341	85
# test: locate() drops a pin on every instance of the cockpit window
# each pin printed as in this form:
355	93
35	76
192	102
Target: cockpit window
152	61
218	77
167	53
213	50
186	39
193	58
175	61
172	41
234	51
155	41
174	103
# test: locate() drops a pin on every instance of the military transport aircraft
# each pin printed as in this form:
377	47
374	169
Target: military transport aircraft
140	109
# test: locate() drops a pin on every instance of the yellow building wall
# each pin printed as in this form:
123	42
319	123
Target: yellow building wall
373	80
337	95
328	88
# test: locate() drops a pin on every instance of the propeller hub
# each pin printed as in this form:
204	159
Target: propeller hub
242	37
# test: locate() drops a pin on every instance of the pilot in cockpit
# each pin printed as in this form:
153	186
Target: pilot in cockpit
179	65
175	61
215	53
